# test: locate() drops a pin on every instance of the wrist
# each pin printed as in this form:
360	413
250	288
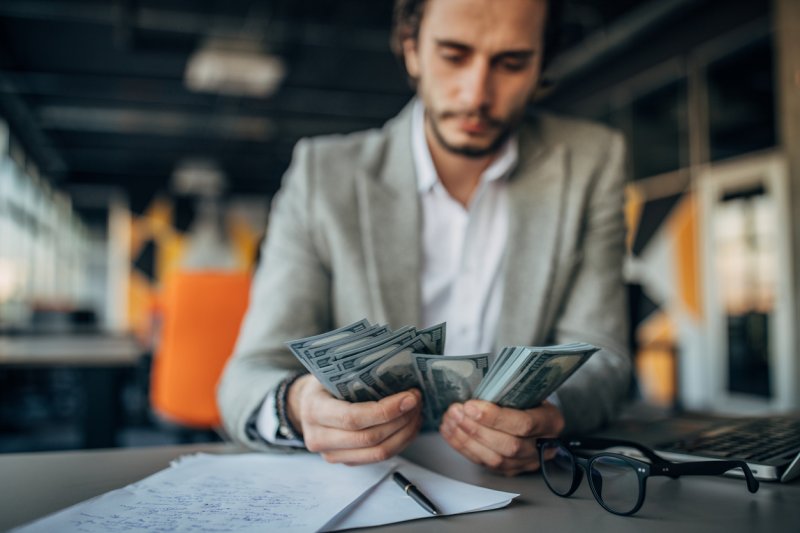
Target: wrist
557	421
286	427
294	396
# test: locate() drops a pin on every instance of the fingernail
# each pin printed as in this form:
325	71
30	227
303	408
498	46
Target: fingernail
472	411
408	403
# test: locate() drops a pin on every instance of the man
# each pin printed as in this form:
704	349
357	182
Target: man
458	209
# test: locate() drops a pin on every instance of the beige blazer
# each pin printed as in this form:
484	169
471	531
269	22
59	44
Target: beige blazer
344	243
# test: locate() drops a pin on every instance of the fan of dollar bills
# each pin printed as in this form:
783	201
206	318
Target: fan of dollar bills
363	362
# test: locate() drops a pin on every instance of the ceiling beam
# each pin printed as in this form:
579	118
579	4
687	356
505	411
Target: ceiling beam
291	100
266	182
200	24
191	125
157	123
25	128
607	41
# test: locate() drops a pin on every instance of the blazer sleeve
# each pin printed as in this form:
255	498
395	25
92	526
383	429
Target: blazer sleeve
595	309
290	298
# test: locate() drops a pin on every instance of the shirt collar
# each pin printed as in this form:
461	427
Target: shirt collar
423	162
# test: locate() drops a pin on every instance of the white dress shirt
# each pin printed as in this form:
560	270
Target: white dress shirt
462	256
463	248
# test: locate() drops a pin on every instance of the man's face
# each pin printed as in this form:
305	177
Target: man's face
476	63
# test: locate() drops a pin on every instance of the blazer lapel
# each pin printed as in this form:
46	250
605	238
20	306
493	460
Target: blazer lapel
390	220
536	206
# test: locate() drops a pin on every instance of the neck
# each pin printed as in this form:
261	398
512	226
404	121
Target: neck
459	174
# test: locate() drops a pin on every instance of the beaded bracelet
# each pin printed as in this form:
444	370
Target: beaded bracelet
285	427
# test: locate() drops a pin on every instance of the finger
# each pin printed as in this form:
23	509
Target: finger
539	421
459	440
469	447
385	450
325	439
507	445
447	432
514	467
333	413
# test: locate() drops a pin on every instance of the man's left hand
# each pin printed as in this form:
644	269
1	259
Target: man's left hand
500	438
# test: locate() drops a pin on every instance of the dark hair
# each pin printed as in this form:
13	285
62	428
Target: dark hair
407	18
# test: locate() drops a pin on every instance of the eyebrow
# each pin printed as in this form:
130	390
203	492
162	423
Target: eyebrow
524	53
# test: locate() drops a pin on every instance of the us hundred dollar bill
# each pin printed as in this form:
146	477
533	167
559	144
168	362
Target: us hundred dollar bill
299	347
396	372
539	378
389	374
320	355
365	354
448	379
434	338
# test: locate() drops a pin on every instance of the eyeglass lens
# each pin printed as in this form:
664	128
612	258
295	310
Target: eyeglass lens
616	483
558	467
614	479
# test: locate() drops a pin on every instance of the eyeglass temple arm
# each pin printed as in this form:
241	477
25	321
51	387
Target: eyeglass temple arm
601	443
662	467
705	468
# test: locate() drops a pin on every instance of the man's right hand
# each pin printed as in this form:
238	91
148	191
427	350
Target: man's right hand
353	433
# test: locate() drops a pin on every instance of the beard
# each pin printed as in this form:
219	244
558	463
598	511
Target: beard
503	128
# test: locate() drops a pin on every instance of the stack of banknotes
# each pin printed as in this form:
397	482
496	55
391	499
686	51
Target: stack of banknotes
364	362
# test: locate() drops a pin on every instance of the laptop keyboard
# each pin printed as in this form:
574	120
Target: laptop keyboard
771	439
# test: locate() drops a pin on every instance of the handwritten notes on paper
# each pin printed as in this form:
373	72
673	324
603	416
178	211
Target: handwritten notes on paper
248	492
264	492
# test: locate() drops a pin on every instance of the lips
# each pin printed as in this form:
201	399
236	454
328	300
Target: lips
474	127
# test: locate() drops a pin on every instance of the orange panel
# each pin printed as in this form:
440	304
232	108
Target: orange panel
655	370
684	229
634	203
202	314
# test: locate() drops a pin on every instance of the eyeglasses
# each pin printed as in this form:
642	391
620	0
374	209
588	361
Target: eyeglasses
617	481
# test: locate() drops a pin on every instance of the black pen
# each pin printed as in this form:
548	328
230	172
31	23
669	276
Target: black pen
414	492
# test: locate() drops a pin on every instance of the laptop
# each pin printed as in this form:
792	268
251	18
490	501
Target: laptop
770	445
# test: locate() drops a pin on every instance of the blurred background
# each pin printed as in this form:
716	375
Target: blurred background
141	142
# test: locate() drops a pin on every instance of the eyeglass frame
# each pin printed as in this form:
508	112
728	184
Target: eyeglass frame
658	466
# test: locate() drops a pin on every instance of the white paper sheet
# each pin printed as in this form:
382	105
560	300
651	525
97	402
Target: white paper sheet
386	503
262	492
248	492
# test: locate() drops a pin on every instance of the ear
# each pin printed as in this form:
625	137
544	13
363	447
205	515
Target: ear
411	57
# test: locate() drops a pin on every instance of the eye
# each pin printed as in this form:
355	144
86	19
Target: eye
514	64
453	56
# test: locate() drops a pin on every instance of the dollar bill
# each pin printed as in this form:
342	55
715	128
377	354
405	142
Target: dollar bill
499	362
361	362
322	356
299	346
434	338
384	376
543	372
353	390
339	360
395	373
448	379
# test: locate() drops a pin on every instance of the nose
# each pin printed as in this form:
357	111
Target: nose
475	85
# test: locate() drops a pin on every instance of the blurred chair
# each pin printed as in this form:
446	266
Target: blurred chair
202	311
